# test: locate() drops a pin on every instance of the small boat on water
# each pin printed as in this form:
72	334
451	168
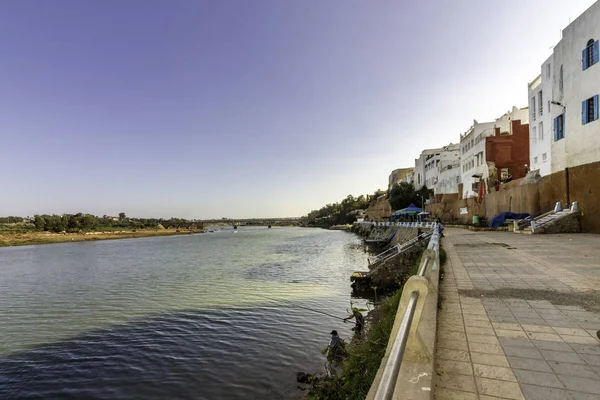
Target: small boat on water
269	225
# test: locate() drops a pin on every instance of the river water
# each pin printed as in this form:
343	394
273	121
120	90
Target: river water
211	316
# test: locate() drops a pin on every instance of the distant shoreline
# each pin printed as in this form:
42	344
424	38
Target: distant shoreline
37	238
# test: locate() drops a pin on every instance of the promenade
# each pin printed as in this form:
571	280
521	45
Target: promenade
518	317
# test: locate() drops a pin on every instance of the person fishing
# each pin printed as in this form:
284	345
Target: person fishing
336	352
359	320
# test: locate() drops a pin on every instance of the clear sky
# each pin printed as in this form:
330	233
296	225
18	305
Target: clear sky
244	108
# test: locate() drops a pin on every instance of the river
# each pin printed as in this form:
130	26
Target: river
211	316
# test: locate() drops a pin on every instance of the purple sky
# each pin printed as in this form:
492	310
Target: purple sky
243	108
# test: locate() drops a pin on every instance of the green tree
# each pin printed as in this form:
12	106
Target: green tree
39	222
122	217
403	194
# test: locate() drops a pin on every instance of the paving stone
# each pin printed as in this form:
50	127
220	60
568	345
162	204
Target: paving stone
454	335
483	339
506	326
537	328
510	333
558	346
591	359
580	370
550	337
530	364
503	389
489	359
580	339
562	356
465	383
517	342
480	331
456	344
585	385
586	348
583	396
486	348
449	354
527	352
494	372
454	367
571	331
545	379
544	393
449	394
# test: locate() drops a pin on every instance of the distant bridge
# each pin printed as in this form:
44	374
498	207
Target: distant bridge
292	221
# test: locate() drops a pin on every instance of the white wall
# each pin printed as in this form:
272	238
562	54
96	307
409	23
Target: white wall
541	126
581	144
472	155
446	176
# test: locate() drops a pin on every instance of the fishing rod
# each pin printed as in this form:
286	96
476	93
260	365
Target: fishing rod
306	308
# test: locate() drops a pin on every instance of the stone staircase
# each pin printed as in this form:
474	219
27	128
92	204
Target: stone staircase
559	220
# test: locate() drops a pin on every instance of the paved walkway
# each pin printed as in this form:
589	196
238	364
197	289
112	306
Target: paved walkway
513	322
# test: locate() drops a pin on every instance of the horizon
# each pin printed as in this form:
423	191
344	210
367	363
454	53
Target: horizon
198	109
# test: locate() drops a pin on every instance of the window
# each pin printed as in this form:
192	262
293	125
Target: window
544	156
548	106
559	127
589	54
541	133
589	110
533	107
533	134
548	70
541	101
560	80
535	160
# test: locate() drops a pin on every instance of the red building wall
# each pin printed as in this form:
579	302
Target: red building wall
509	151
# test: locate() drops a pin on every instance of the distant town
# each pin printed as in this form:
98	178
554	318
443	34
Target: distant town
528	158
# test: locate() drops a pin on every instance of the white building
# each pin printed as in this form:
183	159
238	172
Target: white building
446	175
472	148
540	120
575	90
422	165
472	155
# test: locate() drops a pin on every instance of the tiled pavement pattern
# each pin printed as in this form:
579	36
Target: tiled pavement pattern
491	348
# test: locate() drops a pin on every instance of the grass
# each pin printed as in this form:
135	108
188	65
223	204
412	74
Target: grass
364	358
34	238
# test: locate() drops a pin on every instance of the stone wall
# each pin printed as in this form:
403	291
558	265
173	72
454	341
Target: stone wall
581	184
379	210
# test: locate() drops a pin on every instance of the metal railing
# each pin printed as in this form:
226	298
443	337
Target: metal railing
399	224
399	248
391	369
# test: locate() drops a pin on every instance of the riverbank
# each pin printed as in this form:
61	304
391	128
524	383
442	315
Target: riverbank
35	238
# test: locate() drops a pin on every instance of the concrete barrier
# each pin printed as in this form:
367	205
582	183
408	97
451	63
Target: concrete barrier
407	369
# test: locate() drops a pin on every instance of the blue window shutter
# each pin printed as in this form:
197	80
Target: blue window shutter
556	129
564	124
595	52
584	59
595	106
584	116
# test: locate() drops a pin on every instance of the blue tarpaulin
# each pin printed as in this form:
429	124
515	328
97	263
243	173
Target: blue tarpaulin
499	219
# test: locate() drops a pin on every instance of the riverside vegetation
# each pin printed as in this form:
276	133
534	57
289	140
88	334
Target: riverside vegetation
45	229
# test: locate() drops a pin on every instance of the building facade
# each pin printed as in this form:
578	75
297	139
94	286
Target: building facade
446	175
575	90
473	160
540	120
424	164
